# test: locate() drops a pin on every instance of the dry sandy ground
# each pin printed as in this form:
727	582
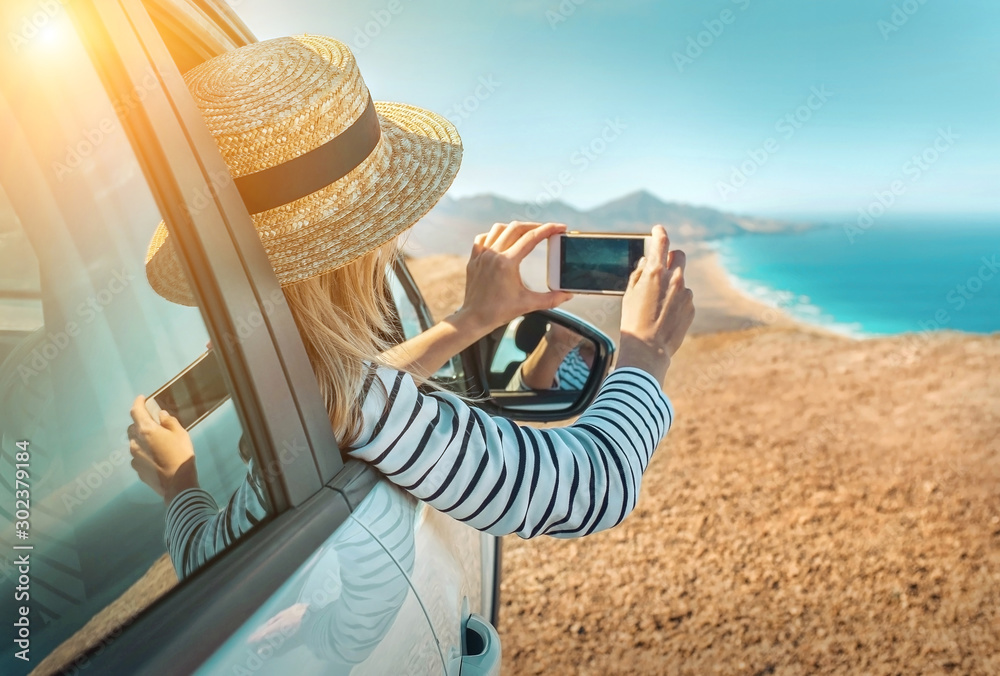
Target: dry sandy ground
821	505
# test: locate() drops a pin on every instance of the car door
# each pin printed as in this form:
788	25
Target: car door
104	142
458	571
350	608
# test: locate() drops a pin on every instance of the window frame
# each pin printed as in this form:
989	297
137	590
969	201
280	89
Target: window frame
413	293
196	30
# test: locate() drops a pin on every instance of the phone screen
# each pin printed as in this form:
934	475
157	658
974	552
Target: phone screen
195	393
598	263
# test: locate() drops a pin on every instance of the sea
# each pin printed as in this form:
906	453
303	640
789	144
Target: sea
903	276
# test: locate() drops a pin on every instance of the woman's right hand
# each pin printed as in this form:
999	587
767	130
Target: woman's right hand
657	309
495	294
162	452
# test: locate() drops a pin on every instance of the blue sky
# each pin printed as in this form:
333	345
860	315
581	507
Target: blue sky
593	100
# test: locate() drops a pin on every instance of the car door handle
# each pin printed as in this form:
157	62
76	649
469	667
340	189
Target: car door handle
480	648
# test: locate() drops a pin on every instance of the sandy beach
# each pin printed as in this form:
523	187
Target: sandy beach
720	306
821	505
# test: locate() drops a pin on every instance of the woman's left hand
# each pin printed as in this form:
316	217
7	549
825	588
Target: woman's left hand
162	452
494	291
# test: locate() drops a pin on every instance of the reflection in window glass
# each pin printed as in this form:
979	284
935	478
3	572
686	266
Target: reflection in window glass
20	294
81	335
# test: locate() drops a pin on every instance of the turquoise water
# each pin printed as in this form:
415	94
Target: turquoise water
894	278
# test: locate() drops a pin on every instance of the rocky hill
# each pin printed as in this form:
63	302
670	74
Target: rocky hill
451	225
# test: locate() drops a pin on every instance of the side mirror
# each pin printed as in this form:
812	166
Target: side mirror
543	367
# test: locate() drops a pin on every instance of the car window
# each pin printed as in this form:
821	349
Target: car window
20	286
406	311
414	319
81	335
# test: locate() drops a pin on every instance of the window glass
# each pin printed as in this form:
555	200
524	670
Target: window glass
409	317
20	294
414	320
81	335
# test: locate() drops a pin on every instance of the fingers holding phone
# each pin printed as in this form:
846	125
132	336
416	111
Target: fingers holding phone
494	291
657	309
162	452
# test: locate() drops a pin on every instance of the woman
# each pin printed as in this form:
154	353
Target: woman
331	179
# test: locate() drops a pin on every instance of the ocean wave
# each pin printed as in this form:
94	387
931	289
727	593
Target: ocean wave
796	305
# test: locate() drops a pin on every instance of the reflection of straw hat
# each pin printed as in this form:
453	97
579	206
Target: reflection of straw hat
326	174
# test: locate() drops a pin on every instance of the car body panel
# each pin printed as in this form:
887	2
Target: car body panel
457	575
349	608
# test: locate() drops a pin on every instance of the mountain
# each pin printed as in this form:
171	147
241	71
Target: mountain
451	225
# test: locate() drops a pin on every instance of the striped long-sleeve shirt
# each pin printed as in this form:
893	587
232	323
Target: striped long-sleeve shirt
485	471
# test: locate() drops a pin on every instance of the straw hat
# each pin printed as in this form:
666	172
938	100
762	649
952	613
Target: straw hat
327	175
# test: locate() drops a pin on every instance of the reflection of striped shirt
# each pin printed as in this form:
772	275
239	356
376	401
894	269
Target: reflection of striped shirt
487	472
573	372
344	631
196	529
571	375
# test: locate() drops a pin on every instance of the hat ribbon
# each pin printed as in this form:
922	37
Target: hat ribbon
314	170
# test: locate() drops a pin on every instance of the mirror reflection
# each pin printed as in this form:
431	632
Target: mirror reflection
536	353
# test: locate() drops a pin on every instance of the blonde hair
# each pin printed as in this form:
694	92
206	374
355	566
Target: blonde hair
345	317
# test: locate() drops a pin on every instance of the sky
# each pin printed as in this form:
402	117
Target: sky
764	107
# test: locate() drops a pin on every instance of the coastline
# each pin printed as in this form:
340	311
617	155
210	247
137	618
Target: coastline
723	307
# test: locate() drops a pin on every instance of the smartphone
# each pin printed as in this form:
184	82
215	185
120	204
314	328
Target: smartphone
594	262
192	394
